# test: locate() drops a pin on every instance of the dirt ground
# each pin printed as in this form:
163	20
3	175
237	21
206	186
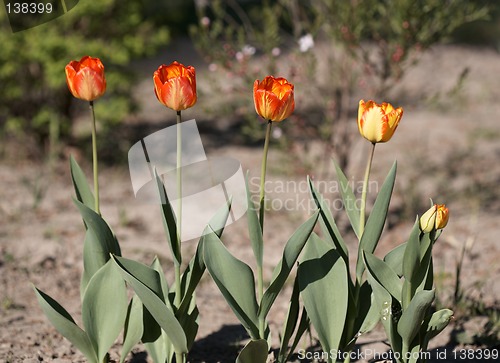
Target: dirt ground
448	144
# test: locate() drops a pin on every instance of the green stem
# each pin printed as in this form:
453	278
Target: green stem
362	212
177	264
94	158
179	358
260	275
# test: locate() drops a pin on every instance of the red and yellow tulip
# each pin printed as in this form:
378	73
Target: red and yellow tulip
175	86
435	218
377	122
85	78
273	98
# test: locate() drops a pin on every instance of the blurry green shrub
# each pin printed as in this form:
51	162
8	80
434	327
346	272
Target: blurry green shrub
334	51
35	101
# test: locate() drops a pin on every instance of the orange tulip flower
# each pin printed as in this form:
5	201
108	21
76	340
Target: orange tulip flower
435	218
377	122
175	86
273	98
85	78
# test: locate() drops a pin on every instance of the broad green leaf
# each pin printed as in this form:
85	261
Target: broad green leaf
104	308
411	320
435	324
99	243
156	265
304	324
411	257
384	302
376	220
254	229
149	291
394	258
189	322
82	189
235	281
134	328
368	310
64	324
256	351
349	199
160	350
290	255
384	275
328	223
169	220
323	278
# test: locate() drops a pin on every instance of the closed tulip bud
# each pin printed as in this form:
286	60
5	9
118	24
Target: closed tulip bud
377	122
175	86
273	98
85	78
435	218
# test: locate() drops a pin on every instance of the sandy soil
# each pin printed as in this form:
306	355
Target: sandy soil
446	145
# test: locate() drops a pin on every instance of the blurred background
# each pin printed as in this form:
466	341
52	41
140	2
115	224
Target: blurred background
438	59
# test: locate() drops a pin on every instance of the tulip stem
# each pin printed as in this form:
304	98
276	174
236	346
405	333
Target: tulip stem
362	212
94	158
177	300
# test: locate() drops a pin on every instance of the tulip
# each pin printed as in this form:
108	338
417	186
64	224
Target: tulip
85	78
273	98
377	122
435	218
175	86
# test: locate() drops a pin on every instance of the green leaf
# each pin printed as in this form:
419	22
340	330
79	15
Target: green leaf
104	308
64	324
376	221
254	228
328	223
82	189
147	285
99	243
235	281
323	278
368	314
394	258
383	303
134	328
160	350
292	317
169	220
435	324
256	351
411	257
290	255
411	320
384	275
349	199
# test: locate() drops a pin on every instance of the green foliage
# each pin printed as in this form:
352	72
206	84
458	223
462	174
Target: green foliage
32	63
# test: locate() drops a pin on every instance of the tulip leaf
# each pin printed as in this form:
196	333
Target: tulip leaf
376	221
368	315
292	317
384	304
394	258
104	308
290	255
411	320
435	324
254	228
147	285
82	189
160	350
349	200
235	281
169	220
323	277
134	328
64	324
328	223
384	275
99	243
256	351
411	257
